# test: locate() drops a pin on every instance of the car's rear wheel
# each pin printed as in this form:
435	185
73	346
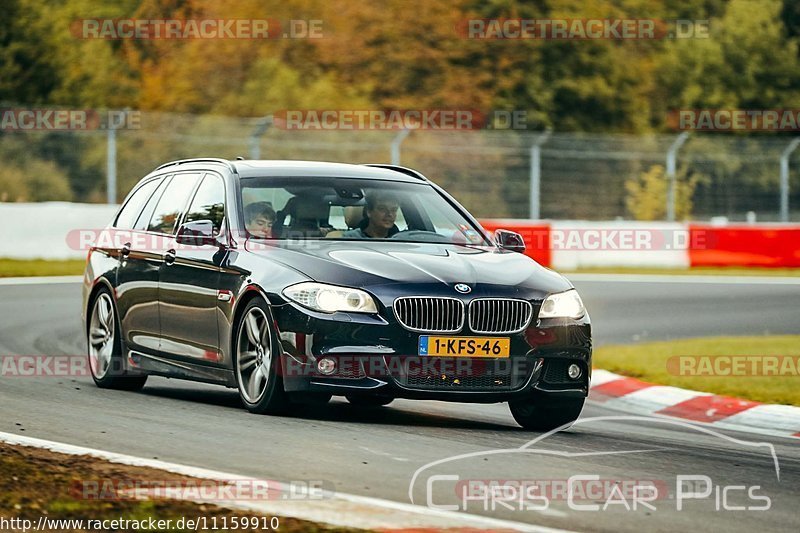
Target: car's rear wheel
545	414
103	336
369	401
257	361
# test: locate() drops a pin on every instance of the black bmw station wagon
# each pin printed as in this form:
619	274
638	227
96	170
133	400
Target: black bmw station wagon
294	281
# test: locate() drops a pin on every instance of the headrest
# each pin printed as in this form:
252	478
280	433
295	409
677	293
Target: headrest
353	215
310	209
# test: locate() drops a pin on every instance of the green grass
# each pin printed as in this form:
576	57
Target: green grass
703	271
10	268
648	362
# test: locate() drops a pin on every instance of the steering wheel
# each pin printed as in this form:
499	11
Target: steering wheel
421	235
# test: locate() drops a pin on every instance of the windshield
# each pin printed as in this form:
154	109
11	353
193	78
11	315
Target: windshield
347	208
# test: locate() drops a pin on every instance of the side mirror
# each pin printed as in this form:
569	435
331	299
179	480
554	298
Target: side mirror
196	233
508	240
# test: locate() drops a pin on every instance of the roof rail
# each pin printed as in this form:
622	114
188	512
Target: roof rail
397	168
200	160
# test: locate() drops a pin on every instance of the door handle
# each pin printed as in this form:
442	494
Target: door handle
126	249
169	257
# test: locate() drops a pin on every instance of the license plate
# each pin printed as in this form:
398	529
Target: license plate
465	346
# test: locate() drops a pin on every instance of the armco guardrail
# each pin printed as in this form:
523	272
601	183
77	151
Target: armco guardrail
40	231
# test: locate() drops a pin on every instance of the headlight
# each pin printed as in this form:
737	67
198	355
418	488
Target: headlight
329	298
563	305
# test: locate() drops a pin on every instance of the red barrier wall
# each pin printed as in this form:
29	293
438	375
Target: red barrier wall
763	245
536	235
760	246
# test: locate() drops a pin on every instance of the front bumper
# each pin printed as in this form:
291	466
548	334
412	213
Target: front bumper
454	386
378	357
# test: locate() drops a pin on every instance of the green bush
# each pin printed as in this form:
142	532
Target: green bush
36	181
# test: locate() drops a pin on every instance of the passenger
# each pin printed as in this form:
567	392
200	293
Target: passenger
259	218
380	214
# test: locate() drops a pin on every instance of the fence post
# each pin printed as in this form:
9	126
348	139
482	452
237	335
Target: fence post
111	164
784	215
395	147
254	141
534	211
672	155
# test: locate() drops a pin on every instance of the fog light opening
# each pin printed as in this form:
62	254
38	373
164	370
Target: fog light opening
574	371
326	366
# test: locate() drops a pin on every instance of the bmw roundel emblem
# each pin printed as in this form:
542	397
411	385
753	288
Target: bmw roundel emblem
463	288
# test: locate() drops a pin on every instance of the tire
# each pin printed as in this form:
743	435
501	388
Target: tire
545	414
104	341
369	401
257	360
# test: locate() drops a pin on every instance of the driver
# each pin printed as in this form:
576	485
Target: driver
379	216
259	218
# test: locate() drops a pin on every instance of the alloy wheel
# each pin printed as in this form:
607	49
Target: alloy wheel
101	336
254	355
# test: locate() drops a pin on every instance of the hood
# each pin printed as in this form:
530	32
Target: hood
370	264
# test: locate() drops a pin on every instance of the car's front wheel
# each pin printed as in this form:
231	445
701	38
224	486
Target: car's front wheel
104	338
545	414
256	361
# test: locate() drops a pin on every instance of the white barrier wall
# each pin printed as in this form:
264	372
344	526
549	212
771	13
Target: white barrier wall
577	244
39	230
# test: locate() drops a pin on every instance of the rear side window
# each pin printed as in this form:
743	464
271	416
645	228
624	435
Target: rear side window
209	202
172	203
147	212
127	217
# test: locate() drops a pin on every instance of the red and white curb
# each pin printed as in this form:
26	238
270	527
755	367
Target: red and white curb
632	395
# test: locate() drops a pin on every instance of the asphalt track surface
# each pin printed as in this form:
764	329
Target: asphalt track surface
376	452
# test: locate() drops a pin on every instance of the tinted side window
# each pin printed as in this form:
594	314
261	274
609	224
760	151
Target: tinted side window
209	202
144	217
172	203
133	206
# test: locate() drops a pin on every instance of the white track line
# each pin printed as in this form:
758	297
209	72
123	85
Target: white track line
41	280
686	278
600	376
338	509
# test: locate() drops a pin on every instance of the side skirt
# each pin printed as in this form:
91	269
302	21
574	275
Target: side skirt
159	366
